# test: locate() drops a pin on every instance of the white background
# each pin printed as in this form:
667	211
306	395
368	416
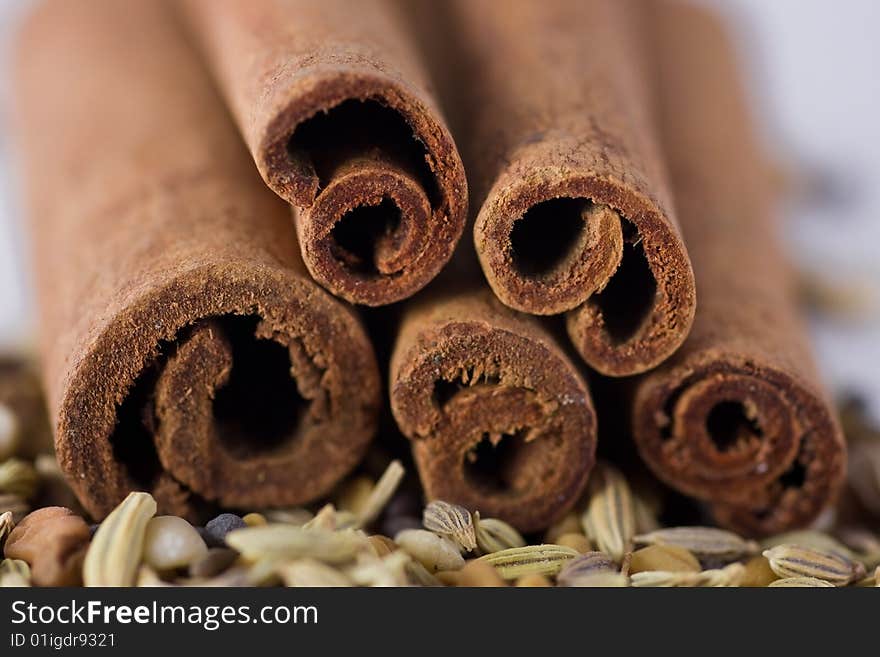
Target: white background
813	66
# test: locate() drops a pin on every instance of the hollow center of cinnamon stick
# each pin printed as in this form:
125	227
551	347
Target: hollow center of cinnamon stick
548	236
354	127
260	407
627	300
728	425
366	237
500	465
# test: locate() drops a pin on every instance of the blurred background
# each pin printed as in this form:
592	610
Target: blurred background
812	68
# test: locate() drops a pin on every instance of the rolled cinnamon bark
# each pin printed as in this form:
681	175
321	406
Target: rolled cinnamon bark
334	104
574	206
499	418
185	349
737	417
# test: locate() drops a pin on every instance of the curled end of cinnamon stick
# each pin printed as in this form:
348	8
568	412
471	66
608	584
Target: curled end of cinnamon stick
755	442
556	242
229	387
500	421
377	180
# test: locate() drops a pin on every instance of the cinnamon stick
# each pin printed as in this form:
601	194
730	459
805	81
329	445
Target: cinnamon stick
500	419
185	349
335	106
737	417
574	207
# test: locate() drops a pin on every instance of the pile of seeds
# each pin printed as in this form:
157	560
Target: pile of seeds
375	533
611	540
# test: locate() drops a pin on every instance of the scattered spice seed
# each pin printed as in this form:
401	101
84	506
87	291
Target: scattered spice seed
6	525
478	573
585	565
758	572
730	575
311	572
18	477
671	558
434	552
354	493
382	492
14	573
801	582
533	580
296	516
53	541
789	560
218	527
254	520
809	538
542	559
645	517
286	542
706	543
390	570
115	551
493	535
577	542
600	579
569	523
610	518
171	542
382	545
213	562
451	520
417	575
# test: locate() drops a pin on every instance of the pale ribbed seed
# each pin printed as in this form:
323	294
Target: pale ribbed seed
494	535
433	552
287	542
797	561
311	572
116	548
800	582
705	543
603	580
14	573
380	495
730	575
610	518
6	525
585	565
18	477
541	559
418	575
809	538
452	521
